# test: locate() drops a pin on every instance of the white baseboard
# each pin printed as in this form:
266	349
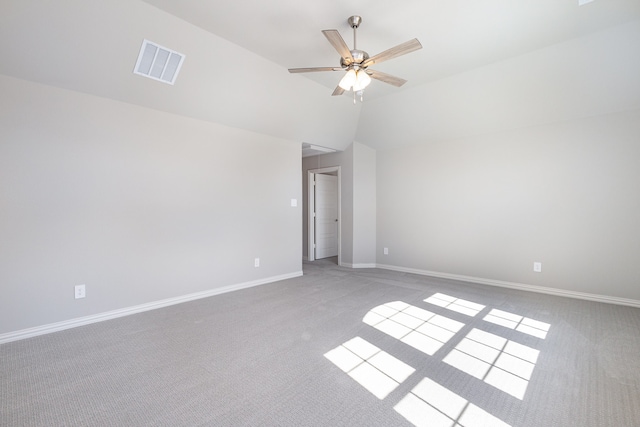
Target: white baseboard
519	286
81	321
345	264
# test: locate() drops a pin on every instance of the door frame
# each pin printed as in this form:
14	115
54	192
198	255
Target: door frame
311	210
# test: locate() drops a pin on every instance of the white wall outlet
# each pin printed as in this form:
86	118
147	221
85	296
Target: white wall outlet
385	251
537	267
256	262
294	203
80	291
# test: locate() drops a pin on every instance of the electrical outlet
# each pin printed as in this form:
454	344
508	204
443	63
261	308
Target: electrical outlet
80	291
537	267
256	262
385	251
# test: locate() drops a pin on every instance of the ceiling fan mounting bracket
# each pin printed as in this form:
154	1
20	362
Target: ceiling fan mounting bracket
354	21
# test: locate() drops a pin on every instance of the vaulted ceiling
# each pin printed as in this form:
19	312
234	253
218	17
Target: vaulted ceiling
485	65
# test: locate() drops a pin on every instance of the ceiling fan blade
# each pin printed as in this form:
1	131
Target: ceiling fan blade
401	49
339	44
313	69
337	91
387	78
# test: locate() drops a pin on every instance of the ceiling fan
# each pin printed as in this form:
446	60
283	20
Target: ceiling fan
356	62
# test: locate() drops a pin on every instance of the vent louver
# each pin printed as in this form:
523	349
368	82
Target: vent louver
158	62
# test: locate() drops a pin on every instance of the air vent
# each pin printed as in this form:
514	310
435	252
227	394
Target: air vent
158	63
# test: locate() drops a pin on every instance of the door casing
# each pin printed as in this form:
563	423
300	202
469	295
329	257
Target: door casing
311	210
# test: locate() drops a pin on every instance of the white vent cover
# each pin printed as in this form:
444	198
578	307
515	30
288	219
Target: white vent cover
158	63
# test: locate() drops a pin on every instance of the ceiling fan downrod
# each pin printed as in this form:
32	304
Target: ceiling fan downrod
354	22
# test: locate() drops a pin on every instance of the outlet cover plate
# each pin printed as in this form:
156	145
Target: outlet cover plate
80	291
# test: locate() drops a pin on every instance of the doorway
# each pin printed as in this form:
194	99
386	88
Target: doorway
324	214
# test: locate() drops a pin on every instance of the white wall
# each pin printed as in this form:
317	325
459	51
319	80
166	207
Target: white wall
137	204
567	195
364	205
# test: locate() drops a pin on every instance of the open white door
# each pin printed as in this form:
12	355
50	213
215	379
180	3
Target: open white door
326	216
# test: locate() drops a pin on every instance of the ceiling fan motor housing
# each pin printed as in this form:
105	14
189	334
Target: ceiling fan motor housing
359	56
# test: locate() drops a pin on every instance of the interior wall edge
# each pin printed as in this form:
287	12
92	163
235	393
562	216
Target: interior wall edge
519	286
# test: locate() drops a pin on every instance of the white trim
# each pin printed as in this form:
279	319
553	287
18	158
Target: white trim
305	258
349	265
520	286
81	321
311	209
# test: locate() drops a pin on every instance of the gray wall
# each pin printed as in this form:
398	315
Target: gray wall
567	195
137	204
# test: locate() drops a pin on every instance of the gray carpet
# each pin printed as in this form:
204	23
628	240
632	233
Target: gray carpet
256	357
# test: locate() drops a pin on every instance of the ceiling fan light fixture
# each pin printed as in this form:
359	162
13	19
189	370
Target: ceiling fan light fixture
362	80
348	80
356	62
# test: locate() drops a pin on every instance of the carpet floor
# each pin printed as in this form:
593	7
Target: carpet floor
337	347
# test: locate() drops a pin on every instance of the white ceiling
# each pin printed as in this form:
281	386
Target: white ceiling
457	35
237	53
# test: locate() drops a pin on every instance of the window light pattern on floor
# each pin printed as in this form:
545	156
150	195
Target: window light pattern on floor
431	405
455	304
421	329
497	361
519	323
377	371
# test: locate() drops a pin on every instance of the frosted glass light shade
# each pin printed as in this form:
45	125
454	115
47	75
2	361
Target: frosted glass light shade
348	80
362	81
